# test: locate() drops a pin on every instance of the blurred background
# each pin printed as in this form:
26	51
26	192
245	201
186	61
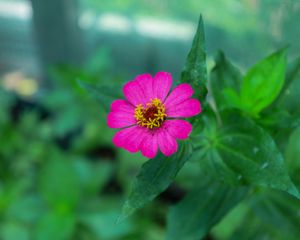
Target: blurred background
60	176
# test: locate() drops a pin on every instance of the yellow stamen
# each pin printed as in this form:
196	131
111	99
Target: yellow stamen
152	115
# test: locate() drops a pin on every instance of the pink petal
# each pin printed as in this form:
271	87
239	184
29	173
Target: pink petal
161	85
120	119
135	93
121	115
129	138
121	105
188	108
179	129
167	143
149	146
146	83
180	93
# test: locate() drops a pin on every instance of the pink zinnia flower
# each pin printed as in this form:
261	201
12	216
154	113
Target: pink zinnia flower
149	115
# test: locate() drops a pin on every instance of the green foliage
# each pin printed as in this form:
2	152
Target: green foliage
57	195
55	226
224	77
11	230
155	176
242	151
103	224
200	210
263	82
260	86
292	154
289	97
194	71
104	94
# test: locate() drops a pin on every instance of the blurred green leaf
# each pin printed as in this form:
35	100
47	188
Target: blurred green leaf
289	98
232	220
292	155
93	175
242	152
155	176
10	192
66	114
26	209
6	101
292	73
194	71
103	224
252	227
263	82
99	63
59	184
272	208
224	76
13	231
202	208
58	226
105	94
270	215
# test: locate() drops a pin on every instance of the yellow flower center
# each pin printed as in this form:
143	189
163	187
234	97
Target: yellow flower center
152	115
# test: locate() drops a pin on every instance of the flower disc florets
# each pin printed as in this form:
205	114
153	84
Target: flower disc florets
152	115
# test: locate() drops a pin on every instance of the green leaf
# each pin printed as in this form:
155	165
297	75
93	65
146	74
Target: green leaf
292	154
194	71
281	211
202	208
59	184
105	94
155	176
55	226
289	98
13	231
231	221
242	152
92	175
263	83
253	228
270	215
26	209
225	77
103	224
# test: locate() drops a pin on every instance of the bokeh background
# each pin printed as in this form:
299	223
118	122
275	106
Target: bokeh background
60	175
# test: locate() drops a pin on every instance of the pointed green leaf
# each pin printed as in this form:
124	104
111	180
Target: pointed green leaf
243	152
263	82
155	176
202	208
194	71
225	77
